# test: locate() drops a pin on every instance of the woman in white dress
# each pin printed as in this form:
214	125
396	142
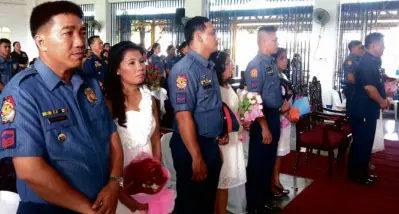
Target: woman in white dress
285	124
133	109
233	169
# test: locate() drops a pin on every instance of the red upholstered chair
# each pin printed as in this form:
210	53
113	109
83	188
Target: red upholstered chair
315	131
165	131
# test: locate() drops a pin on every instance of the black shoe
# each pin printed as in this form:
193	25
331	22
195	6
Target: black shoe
282	190
363	180
372	177
371	167
257	211
272	207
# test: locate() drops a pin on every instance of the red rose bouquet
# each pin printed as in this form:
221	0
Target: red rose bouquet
154	77
145	180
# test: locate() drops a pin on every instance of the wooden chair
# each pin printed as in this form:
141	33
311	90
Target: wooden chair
312	132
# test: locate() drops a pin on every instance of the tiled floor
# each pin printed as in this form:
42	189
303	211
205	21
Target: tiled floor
295	184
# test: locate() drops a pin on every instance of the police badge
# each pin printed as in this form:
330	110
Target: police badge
91	96
8	110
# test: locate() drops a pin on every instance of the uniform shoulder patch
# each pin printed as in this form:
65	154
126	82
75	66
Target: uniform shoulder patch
181	82
8	110
254	73
8	139
350	62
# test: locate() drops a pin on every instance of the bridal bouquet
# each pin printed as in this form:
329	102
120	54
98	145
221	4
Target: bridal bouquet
249	108
154	77
145	180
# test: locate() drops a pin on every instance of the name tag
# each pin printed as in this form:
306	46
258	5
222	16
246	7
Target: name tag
57	119
53	112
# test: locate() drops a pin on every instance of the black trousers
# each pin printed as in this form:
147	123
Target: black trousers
363	131
33	208
195	197
261	161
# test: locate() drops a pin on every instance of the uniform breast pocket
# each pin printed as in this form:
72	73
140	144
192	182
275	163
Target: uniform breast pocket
207	98
98	122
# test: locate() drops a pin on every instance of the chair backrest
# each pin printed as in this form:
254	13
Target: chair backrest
167	155
9	202
315	95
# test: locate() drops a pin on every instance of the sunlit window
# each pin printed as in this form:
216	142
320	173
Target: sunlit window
5	32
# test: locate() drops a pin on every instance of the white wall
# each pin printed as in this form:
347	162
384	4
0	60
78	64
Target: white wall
14	16
323	50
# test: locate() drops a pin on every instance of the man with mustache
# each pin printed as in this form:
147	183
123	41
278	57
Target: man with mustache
56	126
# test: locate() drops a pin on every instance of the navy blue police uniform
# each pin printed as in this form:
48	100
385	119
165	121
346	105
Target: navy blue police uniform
8	68
194	87
157	62
69	125
364	115
350	64
95	67
262	76
171	61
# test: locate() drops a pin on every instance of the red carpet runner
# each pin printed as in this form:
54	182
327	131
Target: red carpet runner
340	196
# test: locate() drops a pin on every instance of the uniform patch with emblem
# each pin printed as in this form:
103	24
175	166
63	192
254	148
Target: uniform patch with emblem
8	139
254	84
97	64
181	98
8	110
91	96
181	82
254	73
350	62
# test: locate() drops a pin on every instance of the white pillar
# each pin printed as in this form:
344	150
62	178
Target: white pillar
324	46
197	8
102	13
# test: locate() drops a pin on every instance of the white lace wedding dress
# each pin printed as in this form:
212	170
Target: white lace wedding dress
233	169
136	136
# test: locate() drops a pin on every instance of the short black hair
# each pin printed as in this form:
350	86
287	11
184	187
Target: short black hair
4	40
14	43
43	13
91	39
107	43
268	29
353	44
194	24
279	52
373	37
219	58
170	47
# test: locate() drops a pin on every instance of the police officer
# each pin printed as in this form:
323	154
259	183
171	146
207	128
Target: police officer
156	60
369	97
182	50
350	64
8	67
95	66
56	126
262	76
196	100
171	59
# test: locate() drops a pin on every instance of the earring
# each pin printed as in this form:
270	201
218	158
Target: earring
117	73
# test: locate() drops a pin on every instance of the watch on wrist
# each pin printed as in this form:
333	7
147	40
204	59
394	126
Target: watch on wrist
117	179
